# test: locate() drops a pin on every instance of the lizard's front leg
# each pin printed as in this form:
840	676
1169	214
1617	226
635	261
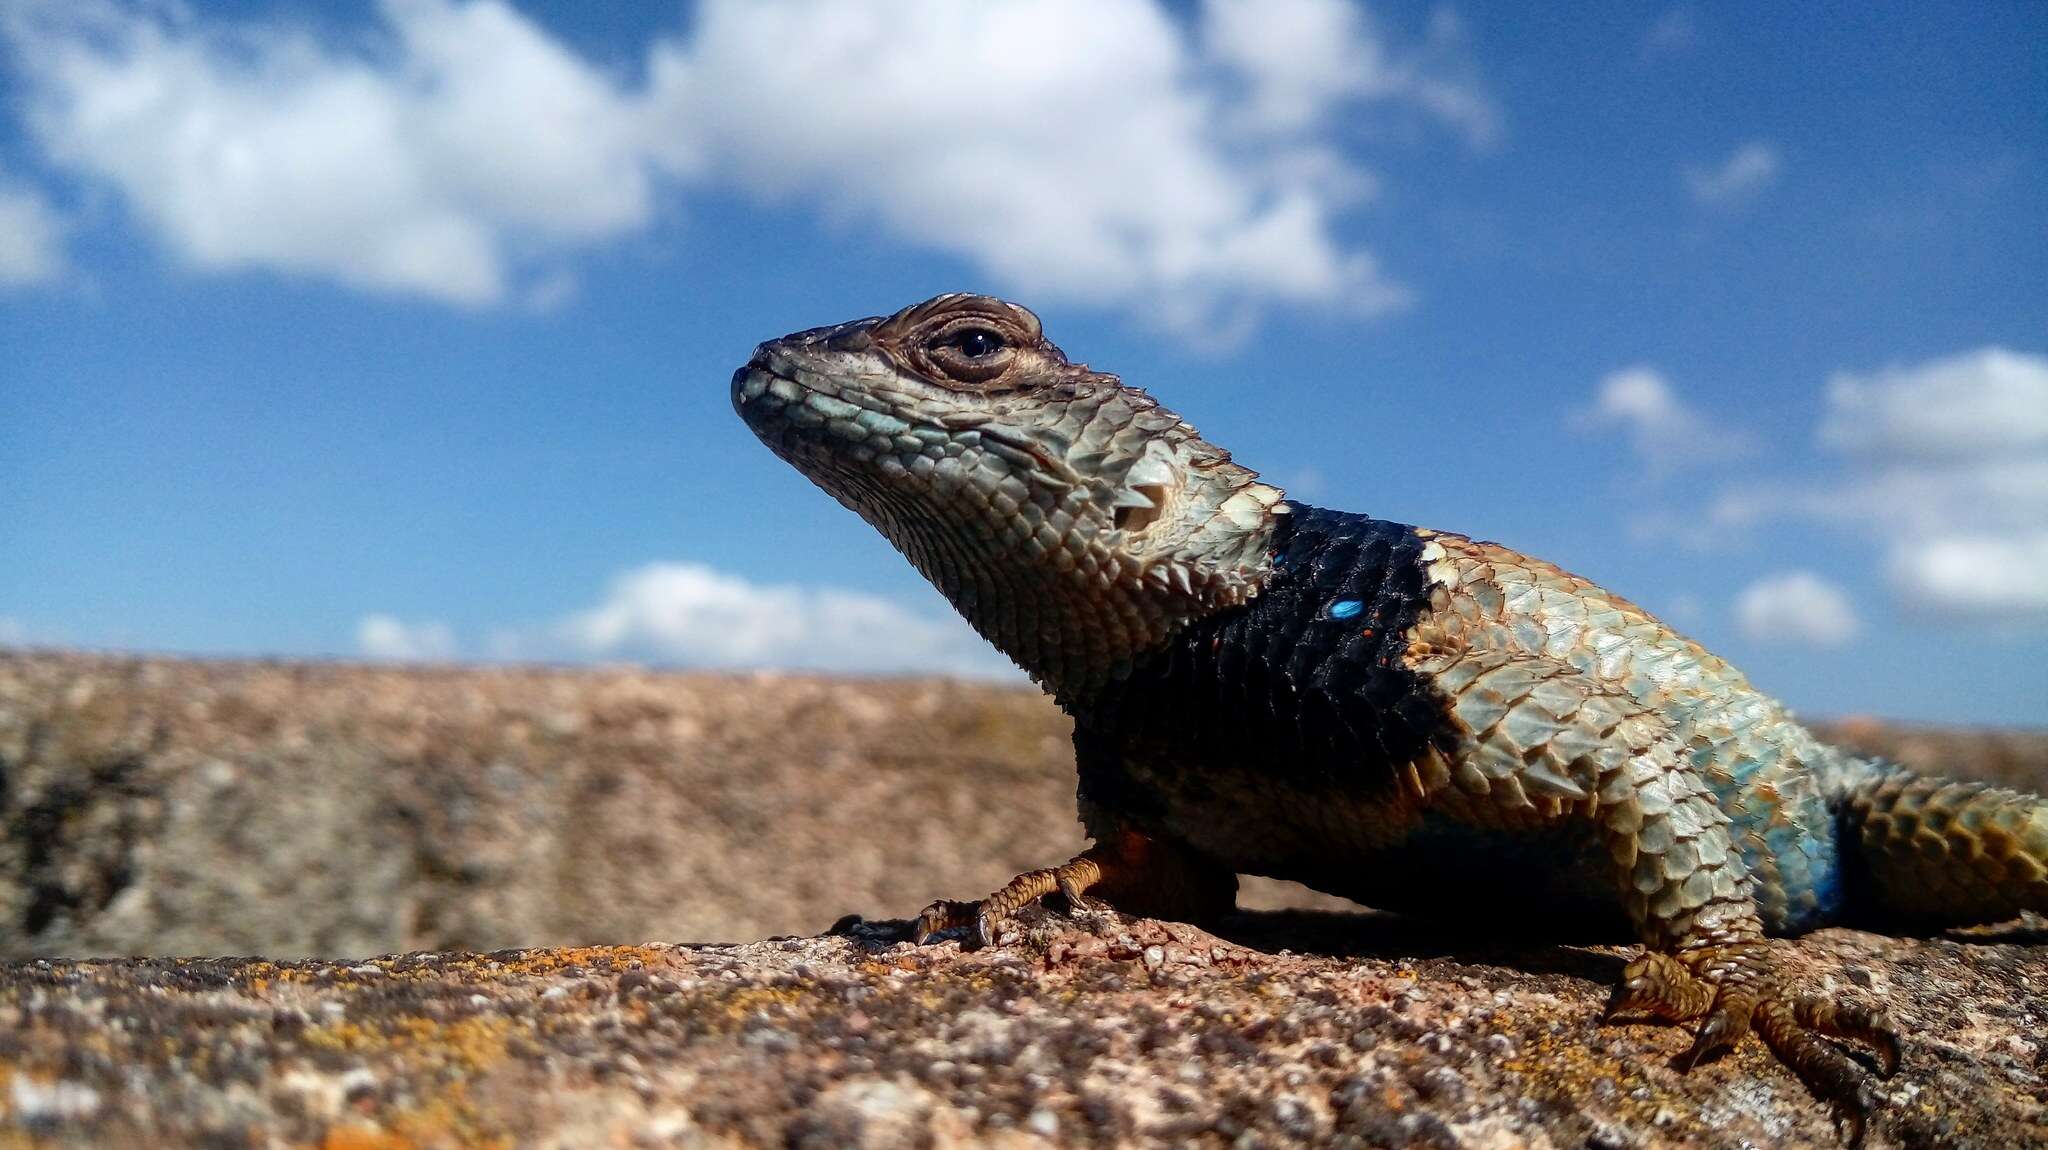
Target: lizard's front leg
1132	871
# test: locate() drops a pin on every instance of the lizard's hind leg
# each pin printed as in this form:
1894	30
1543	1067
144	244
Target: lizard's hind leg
1536	722
1693	902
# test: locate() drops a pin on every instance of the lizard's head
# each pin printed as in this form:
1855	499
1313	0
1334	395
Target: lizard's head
1040	496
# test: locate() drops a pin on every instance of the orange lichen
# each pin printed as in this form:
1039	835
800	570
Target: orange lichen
362	1138
468	1044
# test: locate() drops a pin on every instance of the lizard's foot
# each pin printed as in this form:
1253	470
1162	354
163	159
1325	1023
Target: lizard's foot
1136	873
1734	990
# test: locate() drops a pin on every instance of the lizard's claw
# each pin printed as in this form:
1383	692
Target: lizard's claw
944	915
986	917
1134	872
1734	990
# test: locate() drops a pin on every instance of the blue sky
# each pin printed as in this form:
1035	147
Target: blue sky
403	330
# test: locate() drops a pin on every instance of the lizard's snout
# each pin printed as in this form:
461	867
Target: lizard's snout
759	392
767	383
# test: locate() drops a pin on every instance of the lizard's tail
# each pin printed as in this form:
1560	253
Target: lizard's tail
1936	852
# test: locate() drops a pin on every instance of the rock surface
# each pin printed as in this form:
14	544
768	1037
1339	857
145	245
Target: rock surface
1371	1032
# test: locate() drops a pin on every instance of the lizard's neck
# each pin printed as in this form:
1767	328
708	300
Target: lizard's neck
1078	623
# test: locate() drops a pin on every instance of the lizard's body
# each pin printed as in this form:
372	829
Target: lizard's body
1295	738
1414	719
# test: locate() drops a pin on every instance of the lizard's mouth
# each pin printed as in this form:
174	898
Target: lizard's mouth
1045	466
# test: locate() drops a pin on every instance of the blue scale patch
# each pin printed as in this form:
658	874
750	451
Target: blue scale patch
1796	850
1346	609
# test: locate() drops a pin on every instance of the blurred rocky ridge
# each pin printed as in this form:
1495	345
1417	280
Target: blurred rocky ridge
162	806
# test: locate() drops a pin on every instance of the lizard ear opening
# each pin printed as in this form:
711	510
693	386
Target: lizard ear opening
1148	489
1136	514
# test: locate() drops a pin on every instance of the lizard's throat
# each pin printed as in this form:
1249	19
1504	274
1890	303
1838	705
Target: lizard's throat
1072	610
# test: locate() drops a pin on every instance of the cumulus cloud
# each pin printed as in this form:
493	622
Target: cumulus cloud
1301	60
1747	171
1089	150
383	637
1796	607
31	237
1945	466
1951	470
1664	432
1979	405
1076	148
691	614
414	162
1977	574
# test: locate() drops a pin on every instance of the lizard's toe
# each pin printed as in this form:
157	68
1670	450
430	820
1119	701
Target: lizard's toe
1819	1063
942	916
986	918
1857	1023
1659	986
1736	989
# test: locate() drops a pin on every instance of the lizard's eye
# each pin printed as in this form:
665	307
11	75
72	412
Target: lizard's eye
978	342
969	353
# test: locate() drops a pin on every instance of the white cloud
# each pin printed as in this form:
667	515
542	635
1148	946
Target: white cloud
1301	60
31	237
695	615
1747	171
1665	432
1977	574
1951	471
1074	148
1796	607
1946	469
13	633
1964	407
417	162
687	612
1087	150
383	637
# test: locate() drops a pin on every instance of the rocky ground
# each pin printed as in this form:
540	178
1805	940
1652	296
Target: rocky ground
1133	1033
166	807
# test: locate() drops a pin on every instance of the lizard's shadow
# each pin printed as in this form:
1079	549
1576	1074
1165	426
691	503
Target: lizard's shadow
1545	946
1537	946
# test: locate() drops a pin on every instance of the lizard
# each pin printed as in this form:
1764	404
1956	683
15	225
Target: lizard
1410	718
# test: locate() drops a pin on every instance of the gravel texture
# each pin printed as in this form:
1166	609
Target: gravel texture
1114	1032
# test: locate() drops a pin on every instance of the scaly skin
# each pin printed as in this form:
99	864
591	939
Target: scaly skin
1411	718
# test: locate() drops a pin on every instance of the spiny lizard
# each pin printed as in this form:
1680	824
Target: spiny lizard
1411	718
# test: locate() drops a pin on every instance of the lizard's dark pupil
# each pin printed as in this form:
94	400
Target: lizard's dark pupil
975	344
